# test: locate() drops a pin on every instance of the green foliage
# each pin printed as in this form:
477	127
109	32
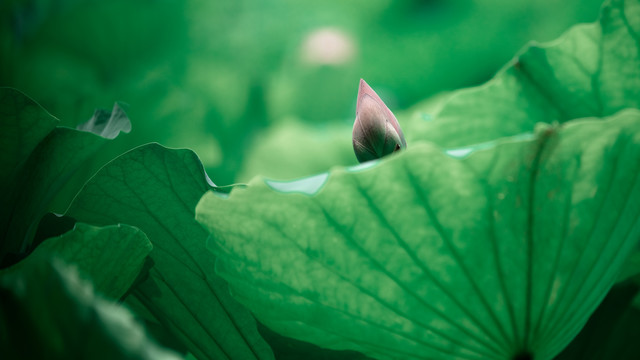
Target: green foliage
49	312
592	70
156	190
35	149
212	75
112	256
506	251
501	254
277	152
496	235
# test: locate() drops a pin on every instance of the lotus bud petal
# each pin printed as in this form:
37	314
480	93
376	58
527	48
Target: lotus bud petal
376	132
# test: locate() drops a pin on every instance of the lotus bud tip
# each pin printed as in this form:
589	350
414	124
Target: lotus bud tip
376	132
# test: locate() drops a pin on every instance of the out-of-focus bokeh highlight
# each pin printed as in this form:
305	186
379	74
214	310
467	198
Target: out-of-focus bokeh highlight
260	86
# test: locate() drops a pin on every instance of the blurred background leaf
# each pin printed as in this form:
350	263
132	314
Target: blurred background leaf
49	312
111	257
213	75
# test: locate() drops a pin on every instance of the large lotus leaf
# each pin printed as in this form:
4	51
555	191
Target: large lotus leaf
38	159
49	312
24	125
156	189
592	70
111	256
501	251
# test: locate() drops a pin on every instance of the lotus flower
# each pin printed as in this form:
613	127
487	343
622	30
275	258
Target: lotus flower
376	132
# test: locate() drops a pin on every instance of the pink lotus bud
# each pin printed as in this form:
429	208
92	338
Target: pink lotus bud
376	132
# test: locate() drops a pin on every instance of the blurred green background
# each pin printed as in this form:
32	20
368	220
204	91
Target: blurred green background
258	86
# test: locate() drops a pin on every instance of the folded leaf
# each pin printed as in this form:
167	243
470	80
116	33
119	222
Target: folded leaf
156	190
592	70
107	124
49	312
496	252
111	256
38	159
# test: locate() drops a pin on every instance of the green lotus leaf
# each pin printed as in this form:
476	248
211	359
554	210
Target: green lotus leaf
498	251
156	189
593	70
37	160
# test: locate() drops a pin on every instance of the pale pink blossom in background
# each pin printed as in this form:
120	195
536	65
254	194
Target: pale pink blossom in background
328	46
